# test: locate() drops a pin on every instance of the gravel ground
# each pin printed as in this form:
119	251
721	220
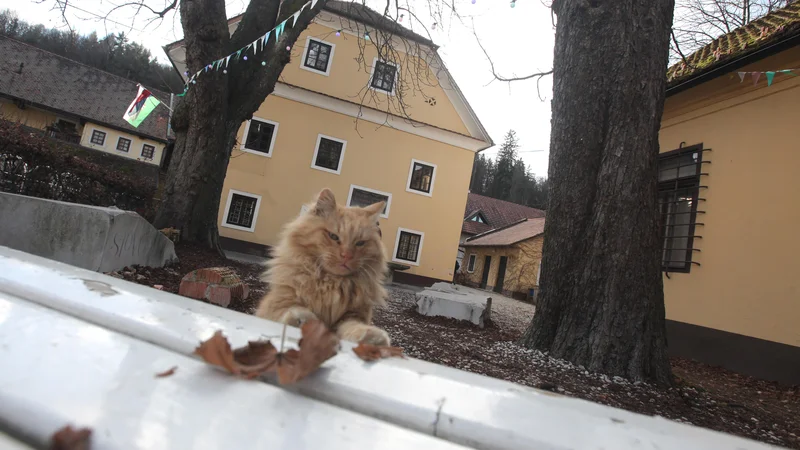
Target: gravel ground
705	396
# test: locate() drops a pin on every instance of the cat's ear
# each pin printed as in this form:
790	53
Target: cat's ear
375	209
326	203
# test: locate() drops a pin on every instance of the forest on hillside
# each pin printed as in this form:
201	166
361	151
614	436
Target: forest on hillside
113	53
507	177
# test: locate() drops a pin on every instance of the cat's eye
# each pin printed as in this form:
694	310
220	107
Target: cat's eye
360	243
333	236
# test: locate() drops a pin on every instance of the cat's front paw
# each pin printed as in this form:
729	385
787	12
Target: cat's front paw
296	317
375	336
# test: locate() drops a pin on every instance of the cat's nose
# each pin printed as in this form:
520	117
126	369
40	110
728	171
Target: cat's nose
347	256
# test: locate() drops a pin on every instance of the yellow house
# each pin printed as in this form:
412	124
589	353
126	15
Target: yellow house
507	259
730	200
77	103
334	120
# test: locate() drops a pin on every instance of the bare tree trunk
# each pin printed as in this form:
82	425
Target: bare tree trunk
602	302
207	121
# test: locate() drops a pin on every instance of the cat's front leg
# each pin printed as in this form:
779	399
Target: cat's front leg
297	315
355	331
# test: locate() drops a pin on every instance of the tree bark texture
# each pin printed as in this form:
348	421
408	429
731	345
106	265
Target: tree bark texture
207	120
602	303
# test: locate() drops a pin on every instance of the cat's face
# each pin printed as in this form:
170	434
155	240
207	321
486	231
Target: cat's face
342	240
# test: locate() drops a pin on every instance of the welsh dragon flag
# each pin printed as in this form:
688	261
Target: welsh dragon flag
141	107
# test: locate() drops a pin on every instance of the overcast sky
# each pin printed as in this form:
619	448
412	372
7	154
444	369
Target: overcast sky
519	40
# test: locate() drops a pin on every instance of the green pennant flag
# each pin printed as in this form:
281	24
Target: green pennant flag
279	30
770	77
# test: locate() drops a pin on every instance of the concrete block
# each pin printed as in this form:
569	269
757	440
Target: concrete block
218	285
90	237
448	301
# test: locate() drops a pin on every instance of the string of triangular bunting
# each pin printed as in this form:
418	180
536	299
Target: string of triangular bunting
769	75
242	53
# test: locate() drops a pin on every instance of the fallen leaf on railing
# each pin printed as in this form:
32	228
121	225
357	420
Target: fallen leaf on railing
259	357
69	438
369	352
167	373
317	346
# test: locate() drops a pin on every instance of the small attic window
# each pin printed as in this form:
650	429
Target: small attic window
478	218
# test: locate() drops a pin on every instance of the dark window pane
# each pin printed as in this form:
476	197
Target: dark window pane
328	154
317	56
471	266
421	178
123	144
408	246
259	136
98	137
383	77
148	151
362	198
241	211
679	177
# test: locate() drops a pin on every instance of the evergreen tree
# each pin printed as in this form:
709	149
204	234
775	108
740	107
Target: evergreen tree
504	171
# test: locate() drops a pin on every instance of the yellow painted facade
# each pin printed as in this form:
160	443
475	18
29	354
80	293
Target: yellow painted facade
522	267
747	278
30	116
377	156
112	138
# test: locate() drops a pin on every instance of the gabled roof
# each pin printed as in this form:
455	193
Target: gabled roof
517	232
62	85
498	213
752	40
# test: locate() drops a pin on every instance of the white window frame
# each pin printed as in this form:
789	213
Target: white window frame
105	138
243	147
327	72
130	145
472	259
372	73
374	191
228	207
411	172
338	170
141	153
397	244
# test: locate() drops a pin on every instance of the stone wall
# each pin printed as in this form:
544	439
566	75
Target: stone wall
522	268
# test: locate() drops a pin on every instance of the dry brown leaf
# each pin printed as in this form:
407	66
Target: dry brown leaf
256	358
69	438
317	346
167	373
369	352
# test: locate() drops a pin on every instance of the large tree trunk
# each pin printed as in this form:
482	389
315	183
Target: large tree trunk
602	301
207	121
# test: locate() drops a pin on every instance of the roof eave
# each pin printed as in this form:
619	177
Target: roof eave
717	71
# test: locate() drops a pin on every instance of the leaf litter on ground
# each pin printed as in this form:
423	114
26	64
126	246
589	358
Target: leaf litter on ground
167	372
317	345
369	352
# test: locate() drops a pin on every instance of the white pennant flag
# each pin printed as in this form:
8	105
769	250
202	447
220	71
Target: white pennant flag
741	76
228	58
295	16
265	38
255	46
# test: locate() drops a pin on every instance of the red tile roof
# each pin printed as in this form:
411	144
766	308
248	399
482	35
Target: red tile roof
521	231
498	213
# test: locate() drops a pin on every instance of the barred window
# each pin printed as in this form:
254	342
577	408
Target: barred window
328	155
241	211
408	246
98	137
679	187
123	144
318	56
260	136
383	76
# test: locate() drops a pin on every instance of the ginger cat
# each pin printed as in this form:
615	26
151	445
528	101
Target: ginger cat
330	265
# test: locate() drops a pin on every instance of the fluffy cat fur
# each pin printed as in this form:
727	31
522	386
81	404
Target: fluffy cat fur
330	264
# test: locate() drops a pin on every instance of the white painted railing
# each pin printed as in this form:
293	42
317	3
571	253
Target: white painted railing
82	348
